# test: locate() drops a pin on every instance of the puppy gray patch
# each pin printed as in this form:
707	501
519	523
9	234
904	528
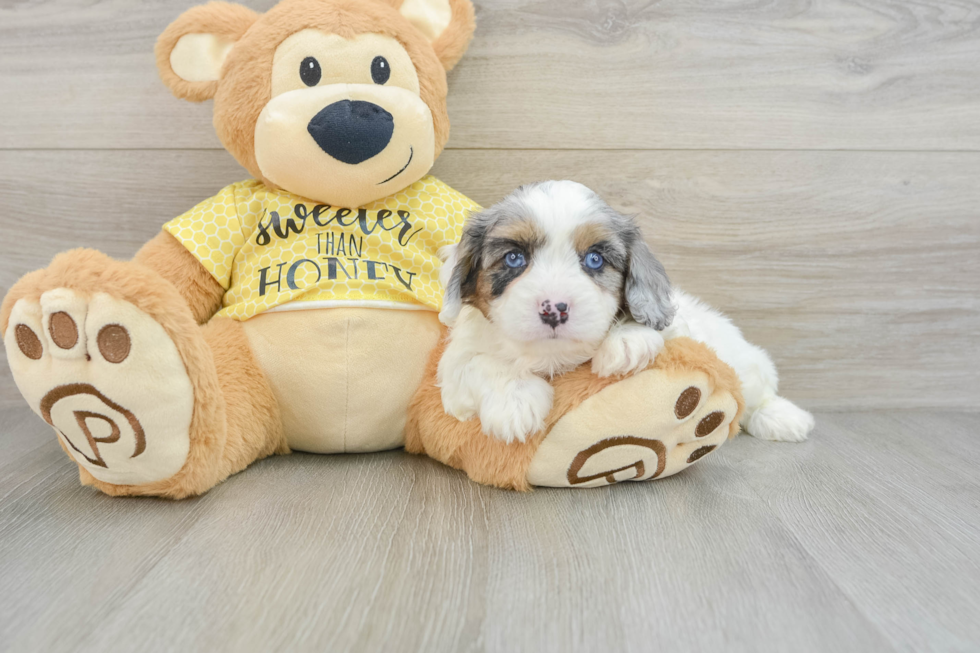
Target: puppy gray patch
646	292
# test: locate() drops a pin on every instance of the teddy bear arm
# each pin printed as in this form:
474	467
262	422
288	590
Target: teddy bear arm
172	261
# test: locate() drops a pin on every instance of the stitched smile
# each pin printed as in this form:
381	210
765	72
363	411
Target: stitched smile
411	153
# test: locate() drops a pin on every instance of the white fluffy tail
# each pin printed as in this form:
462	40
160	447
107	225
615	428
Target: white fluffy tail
778	419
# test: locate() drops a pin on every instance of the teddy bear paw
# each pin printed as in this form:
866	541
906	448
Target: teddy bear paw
109	380
647	426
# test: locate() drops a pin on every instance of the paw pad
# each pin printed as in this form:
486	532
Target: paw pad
63	330
114	343
641	428
701	453
708	425
687	403
28	342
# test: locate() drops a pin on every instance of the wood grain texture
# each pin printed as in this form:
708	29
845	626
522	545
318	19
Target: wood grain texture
859	270
9	395
860	273
900	496
633	74
863	539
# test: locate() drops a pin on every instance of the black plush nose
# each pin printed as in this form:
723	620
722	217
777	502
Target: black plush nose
352	131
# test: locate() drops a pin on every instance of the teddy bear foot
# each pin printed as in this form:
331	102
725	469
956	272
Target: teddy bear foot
647	426
109	380
601	430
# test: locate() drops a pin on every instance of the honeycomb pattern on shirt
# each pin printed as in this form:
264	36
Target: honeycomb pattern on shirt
268	247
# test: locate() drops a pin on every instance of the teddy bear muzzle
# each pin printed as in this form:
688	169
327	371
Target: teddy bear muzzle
344	144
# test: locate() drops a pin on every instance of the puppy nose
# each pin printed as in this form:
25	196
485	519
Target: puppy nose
553	314
352	131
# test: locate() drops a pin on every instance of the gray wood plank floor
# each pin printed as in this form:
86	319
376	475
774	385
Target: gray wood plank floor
809	166
866	538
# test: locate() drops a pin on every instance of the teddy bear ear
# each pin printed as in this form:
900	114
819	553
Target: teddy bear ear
192	50
448	24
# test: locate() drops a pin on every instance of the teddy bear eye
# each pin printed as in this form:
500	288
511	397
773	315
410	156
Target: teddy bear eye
380	70
309	71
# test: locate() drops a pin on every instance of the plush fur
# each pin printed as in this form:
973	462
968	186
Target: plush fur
235	418
174	263
245	85
453	42
227	20
251	428
464	446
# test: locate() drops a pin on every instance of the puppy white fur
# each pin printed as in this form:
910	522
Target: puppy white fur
551	277
767	415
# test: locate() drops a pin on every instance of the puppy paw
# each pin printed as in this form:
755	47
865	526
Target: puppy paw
517	410
780	420
457	402
627	348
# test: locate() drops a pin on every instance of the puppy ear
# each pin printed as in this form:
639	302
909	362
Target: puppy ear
452	302
448	24
458	274
192	50
647	291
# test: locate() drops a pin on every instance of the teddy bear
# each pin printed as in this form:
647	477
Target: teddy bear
297	311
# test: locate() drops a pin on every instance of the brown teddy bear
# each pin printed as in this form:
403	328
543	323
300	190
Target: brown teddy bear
297	310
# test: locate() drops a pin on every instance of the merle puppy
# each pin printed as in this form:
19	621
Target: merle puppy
552	277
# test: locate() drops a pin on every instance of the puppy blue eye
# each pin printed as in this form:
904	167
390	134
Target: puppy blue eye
514	260
594	261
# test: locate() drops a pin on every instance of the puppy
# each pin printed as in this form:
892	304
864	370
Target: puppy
551	277
540	283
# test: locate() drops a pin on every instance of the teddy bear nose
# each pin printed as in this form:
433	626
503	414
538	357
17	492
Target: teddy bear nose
352	131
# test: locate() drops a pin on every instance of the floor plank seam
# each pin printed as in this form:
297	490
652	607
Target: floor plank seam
135	581
865	616
55	468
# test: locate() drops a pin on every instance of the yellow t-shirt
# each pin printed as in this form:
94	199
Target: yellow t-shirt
268	248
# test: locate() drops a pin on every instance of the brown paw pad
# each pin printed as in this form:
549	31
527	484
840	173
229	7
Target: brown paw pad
63	330
687	403
114	343
708	425
28	342
700	453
